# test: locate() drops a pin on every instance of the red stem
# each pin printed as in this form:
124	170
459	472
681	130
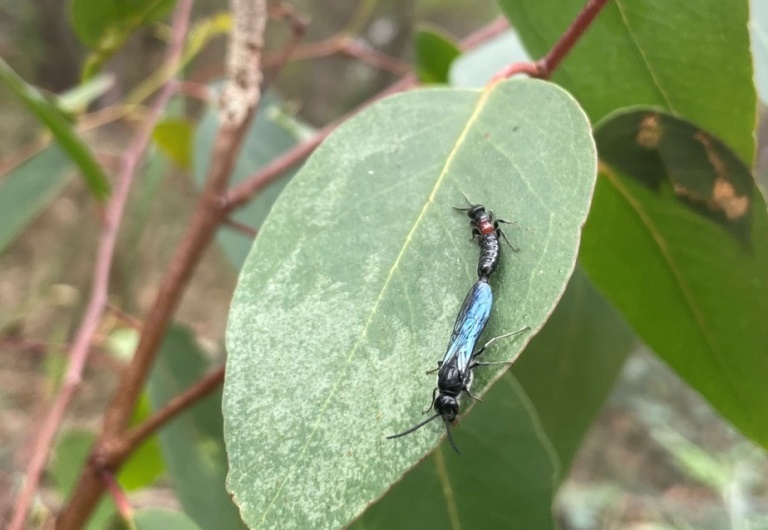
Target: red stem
544	67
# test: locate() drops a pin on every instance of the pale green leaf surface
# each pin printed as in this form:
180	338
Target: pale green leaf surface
193	444
162	519
570	367
691	281
271	134
692	58
62	130
474	68
27	190
505	477
435	51
352	287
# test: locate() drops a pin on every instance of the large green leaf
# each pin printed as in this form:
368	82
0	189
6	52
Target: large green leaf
677	239
353	284
26	190
505	478
570	367
50	116
193	444
690	58
271	134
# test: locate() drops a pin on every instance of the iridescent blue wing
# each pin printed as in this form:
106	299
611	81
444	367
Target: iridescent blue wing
473	316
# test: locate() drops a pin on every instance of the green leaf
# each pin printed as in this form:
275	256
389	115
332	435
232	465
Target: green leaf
677	240
174	138
162	519
506	462
105	25
28	189
435	51
271	134
78	98
95	20
145	464
355	280
692	60
473	69
570	367
193	444
68	458
50	116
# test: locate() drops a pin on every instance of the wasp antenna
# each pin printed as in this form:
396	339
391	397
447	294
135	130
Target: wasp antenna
414	428
450	438
469	204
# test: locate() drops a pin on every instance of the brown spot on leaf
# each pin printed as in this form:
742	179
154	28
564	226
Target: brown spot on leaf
649	132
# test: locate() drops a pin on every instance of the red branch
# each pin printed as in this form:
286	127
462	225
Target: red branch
81	345
544	67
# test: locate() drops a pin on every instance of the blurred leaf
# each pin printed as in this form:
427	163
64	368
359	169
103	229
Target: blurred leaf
28	189
162	519
68	458
271	134
192	444
435	51
96	21
758	26
570	367
50	116
692	60
105	25
505	478
473	69
145	465
78	98
356	278
677	240
174	138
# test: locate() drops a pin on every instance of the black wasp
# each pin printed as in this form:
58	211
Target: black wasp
486	230
454	374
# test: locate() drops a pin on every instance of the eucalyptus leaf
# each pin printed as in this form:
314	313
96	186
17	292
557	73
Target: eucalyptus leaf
570	367
57	122
193	444
354	282
694	61
677	240
28	189
435	51
506	477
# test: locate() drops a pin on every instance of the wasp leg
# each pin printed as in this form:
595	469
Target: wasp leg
431	403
